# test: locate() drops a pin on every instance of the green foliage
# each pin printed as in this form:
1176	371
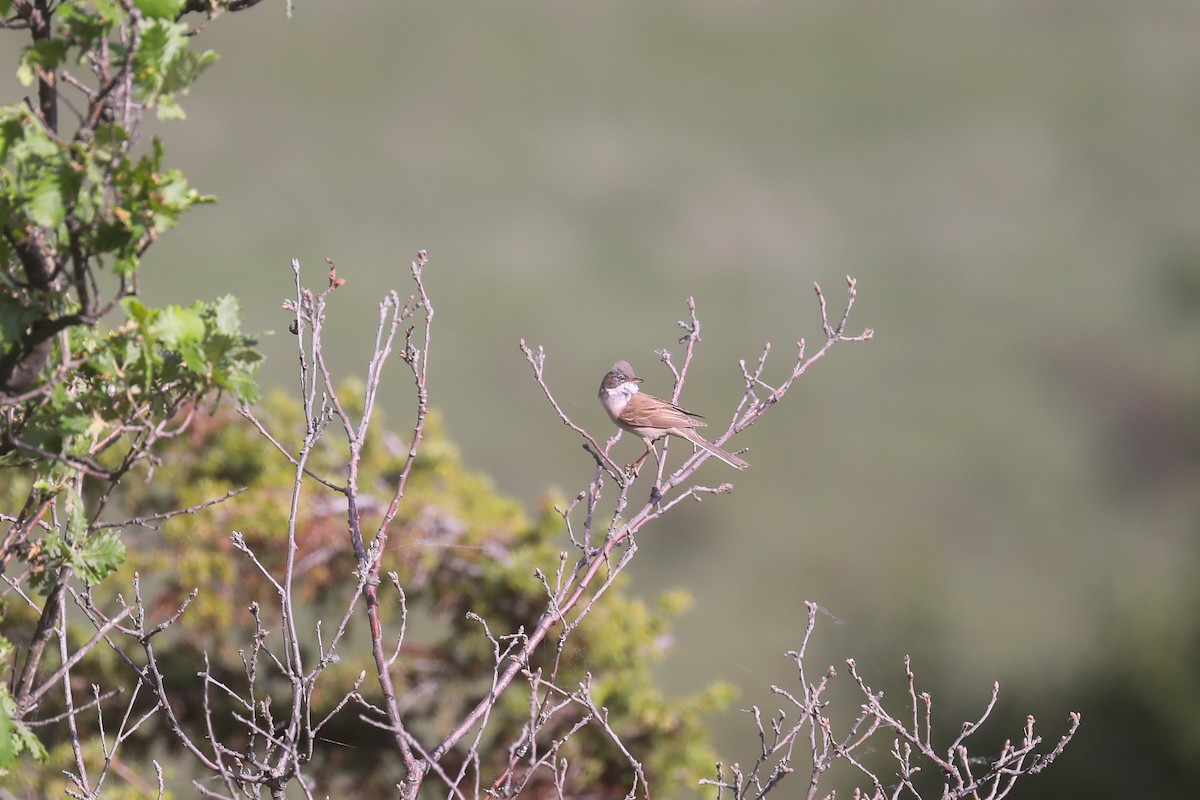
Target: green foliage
118	204
15	736
160	9
91	379
91	554
156	362
72	208
166	65
456	546
8	745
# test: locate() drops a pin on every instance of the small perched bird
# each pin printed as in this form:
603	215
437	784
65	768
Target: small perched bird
649	417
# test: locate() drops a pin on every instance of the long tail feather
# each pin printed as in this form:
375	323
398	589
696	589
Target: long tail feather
704	444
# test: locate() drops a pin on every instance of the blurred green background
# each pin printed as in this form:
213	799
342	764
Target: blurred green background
1004	484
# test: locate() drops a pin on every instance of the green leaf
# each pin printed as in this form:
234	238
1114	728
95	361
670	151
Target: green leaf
183	71
15	317
159	9
112	235
16	734
8	735
36	141
244	386
111	134
174	190
44	563
74	423
229	315
11	130
85	25
46	206
136	310
126	266
193	357
176	326
77	523
167	110
99	556
161	43
47	54
109	11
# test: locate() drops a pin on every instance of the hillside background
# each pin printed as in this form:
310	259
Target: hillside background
1005	484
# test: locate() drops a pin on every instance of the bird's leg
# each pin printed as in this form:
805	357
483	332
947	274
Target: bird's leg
636	464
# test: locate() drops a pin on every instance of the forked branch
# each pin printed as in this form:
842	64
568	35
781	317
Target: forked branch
804	736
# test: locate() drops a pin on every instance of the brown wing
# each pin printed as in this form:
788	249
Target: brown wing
644	410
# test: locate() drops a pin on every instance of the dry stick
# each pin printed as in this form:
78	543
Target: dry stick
249	415
309	314
549	618
420	377
584	696
832	336
946	765
224	772
124	731
550	759
294	669
1001	773
327	653
539	714
81	774
526	743
538	362
418	362
83	464
21	528
308	311
499	654
153	676
55	719
558	611
689	338
747	412
25	696
144	521
35	694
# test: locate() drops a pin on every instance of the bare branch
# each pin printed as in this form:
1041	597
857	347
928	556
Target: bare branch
911	746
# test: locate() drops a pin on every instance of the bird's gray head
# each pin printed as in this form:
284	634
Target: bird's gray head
620	373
